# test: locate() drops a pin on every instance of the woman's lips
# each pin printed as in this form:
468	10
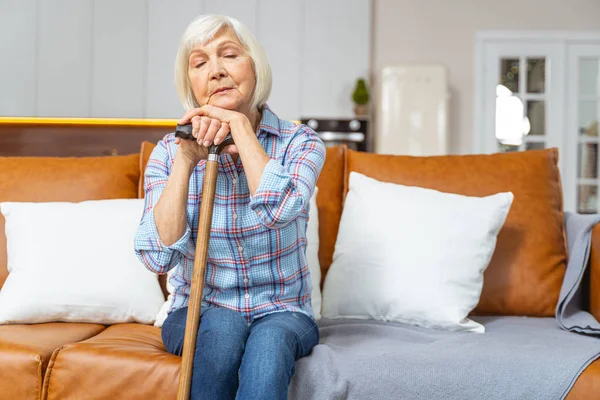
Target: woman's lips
221	91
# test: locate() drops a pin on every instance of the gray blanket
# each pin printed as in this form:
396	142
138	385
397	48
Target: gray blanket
569	313
516	358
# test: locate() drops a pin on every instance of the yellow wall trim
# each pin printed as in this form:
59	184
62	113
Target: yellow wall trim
88	121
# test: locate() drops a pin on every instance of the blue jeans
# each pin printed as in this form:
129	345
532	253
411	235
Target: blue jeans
254	362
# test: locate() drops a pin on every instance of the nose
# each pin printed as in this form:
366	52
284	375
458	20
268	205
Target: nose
217	70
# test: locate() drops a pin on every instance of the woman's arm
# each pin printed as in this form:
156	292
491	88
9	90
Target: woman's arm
170	215
285	187
254	158
164	235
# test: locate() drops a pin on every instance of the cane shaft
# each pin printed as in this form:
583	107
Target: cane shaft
195	301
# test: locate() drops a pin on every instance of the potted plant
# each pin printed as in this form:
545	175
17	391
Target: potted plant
360	96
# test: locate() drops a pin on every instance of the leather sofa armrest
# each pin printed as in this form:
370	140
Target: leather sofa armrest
594	274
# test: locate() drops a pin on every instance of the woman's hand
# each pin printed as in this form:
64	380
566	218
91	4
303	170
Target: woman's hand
192	151
212	124
253	155
207	130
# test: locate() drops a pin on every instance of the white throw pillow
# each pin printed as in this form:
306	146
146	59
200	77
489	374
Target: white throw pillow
75	262
412	255
312	258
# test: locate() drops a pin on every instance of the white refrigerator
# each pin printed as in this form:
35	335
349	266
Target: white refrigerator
413	111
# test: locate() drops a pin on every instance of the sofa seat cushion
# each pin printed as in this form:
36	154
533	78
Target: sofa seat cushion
129	361
126	361
25	351
587	386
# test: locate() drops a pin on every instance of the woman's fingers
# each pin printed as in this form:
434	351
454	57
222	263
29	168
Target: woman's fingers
195	126
211	132
204	124
210	111
222	133
206	130
187	117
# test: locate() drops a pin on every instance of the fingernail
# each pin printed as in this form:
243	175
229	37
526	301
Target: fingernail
206	143
217	141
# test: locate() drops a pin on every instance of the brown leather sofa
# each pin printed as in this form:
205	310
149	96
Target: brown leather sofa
128	361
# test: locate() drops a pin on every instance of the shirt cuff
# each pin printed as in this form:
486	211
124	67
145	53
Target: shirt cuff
273	184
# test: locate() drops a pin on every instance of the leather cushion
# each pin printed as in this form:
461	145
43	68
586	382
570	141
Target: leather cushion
64	179
330	203
126	361
25	351
329	199
594	274
129	361
587	386
527	268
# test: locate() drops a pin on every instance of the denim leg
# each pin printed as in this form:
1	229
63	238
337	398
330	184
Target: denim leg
219	348
275	342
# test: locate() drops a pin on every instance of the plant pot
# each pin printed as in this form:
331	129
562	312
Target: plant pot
361	109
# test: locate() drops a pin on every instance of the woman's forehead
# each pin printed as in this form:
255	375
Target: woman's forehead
224	36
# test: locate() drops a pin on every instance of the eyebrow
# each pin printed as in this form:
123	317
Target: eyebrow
223	44
220	45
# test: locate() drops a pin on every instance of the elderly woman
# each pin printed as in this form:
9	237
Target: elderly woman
256	318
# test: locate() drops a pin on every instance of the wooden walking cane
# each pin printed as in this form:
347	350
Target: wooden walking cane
204	222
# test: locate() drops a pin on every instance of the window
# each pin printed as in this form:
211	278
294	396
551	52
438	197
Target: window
540	90
583	115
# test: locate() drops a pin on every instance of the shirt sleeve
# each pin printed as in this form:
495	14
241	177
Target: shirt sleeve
148	246
286	187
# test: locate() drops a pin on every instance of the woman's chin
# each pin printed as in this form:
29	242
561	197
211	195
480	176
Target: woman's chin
226	103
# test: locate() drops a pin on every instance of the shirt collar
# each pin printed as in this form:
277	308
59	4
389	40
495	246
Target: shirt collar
269	121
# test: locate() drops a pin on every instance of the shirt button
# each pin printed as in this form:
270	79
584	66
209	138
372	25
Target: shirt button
240	249
247	295
234	181
245	280
234	216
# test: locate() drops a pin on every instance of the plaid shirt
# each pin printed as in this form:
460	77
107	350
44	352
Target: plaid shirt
257	251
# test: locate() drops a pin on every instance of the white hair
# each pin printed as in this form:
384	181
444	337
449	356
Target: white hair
203	29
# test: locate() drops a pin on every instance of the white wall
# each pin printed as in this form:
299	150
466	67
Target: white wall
441	31
114	58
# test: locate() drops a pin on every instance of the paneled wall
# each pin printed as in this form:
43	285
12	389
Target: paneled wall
114	58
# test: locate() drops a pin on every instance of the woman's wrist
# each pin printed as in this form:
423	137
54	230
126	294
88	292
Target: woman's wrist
183	163
240	125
